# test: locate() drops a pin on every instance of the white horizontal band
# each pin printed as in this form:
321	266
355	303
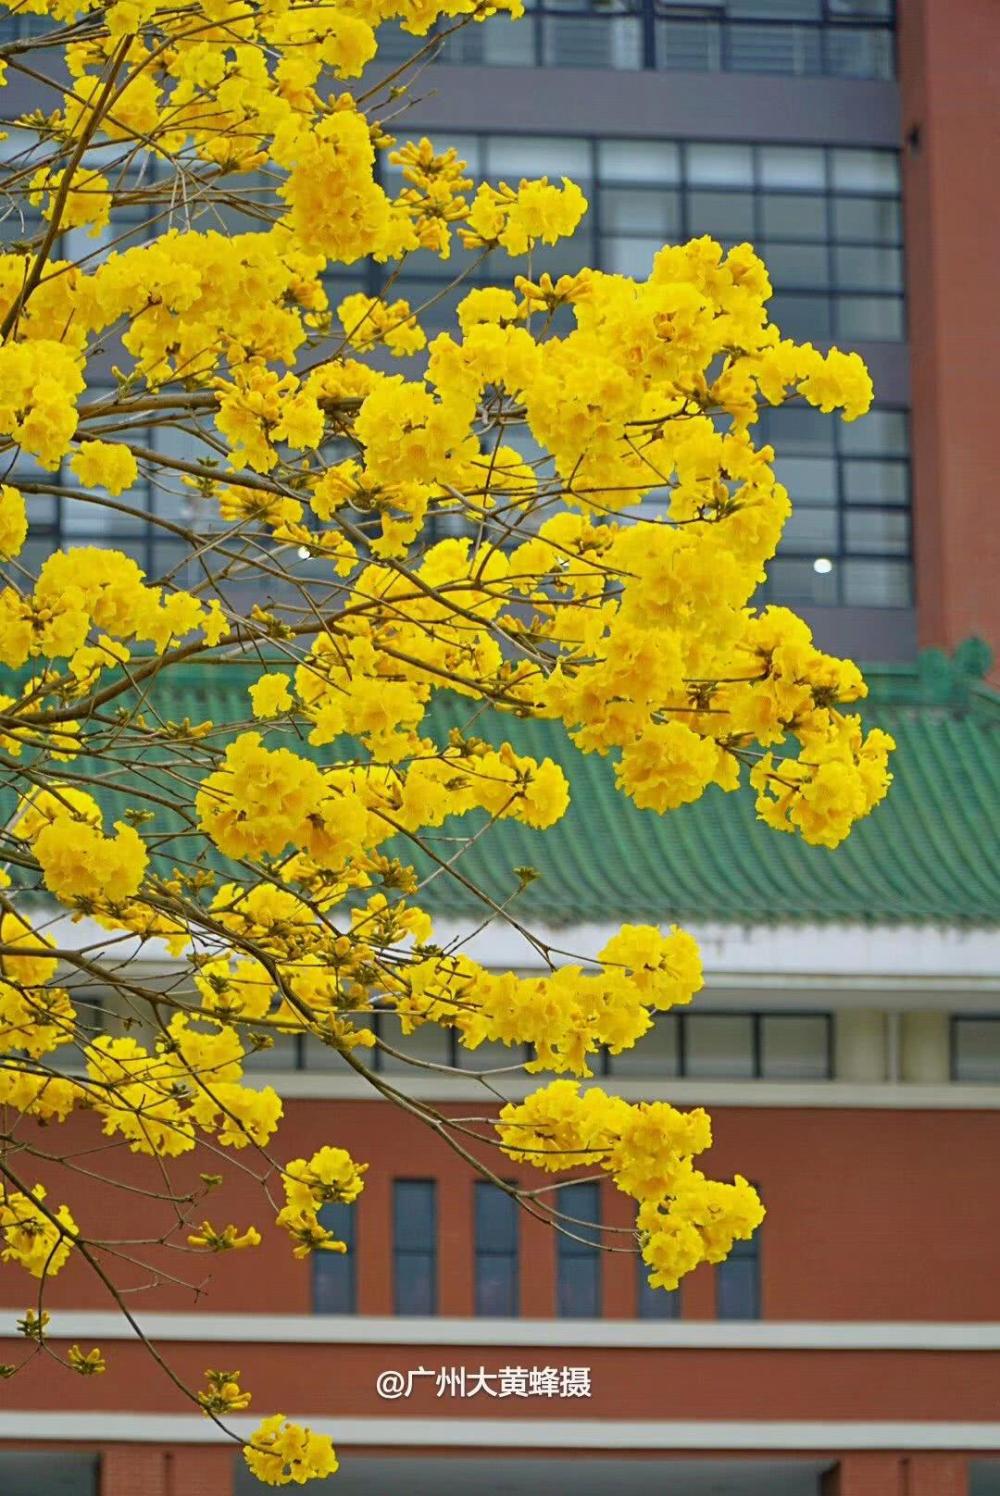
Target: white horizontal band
842	955
544	1334
534	1433
299	1085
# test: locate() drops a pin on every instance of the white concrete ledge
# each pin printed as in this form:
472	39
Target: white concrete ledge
543	1334
303	1085
534	1433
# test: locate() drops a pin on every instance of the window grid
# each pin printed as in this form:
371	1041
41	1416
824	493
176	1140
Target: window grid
799	39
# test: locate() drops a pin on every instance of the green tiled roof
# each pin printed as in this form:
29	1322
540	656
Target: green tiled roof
928	853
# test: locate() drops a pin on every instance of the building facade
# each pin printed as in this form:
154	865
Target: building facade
848	1042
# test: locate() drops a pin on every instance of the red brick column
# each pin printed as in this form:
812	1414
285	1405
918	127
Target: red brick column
877	1474
938	1475
187	1470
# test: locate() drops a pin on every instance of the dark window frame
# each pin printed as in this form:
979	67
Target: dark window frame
954	1020
335	1217
401	1253
756	1015
571	1248
481	1252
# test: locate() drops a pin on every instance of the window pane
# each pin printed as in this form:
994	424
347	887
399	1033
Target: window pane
334	1282
515	156
791	166
801	316
790	581
859	52
725	215
876	482
496	1250
689	46
491	1054
48	1472
654	161
872	268
496	1285
496	1218
414	1215
635	211
655	1303
872	317
592	42
797	264
654	1054
813	531
577	1256
720	165
430	1042
795	1047
977	1049
877	584
875	219
629	256
793	216
718	1044
775	10
579	1295
798	430
415	1286
880	432
866	171
737	1286
809	480
880	531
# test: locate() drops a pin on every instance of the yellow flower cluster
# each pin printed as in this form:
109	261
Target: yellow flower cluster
36	1236
566	1017
330	1175
683	1218
282	1453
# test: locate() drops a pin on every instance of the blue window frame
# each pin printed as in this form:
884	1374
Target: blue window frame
578	1257
497	1219
737	1281
655	1303
334	1274
414	1246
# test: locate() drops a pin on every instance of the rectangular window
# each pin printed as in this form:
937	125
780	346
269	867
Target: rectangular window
975	1048
497	1217
334	1274
655	1303
737	1281
414	1246
796	1046
578	1257
719	1044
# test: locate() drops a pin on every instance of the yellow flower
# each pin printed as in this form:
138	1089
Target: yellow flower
13	522
270	695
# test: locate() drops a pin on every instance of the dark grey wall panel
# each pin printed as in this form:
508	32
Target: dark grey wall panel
701	106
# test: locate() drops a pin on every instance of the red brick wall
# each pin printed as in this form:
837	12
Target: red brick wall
872	1215
950	72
